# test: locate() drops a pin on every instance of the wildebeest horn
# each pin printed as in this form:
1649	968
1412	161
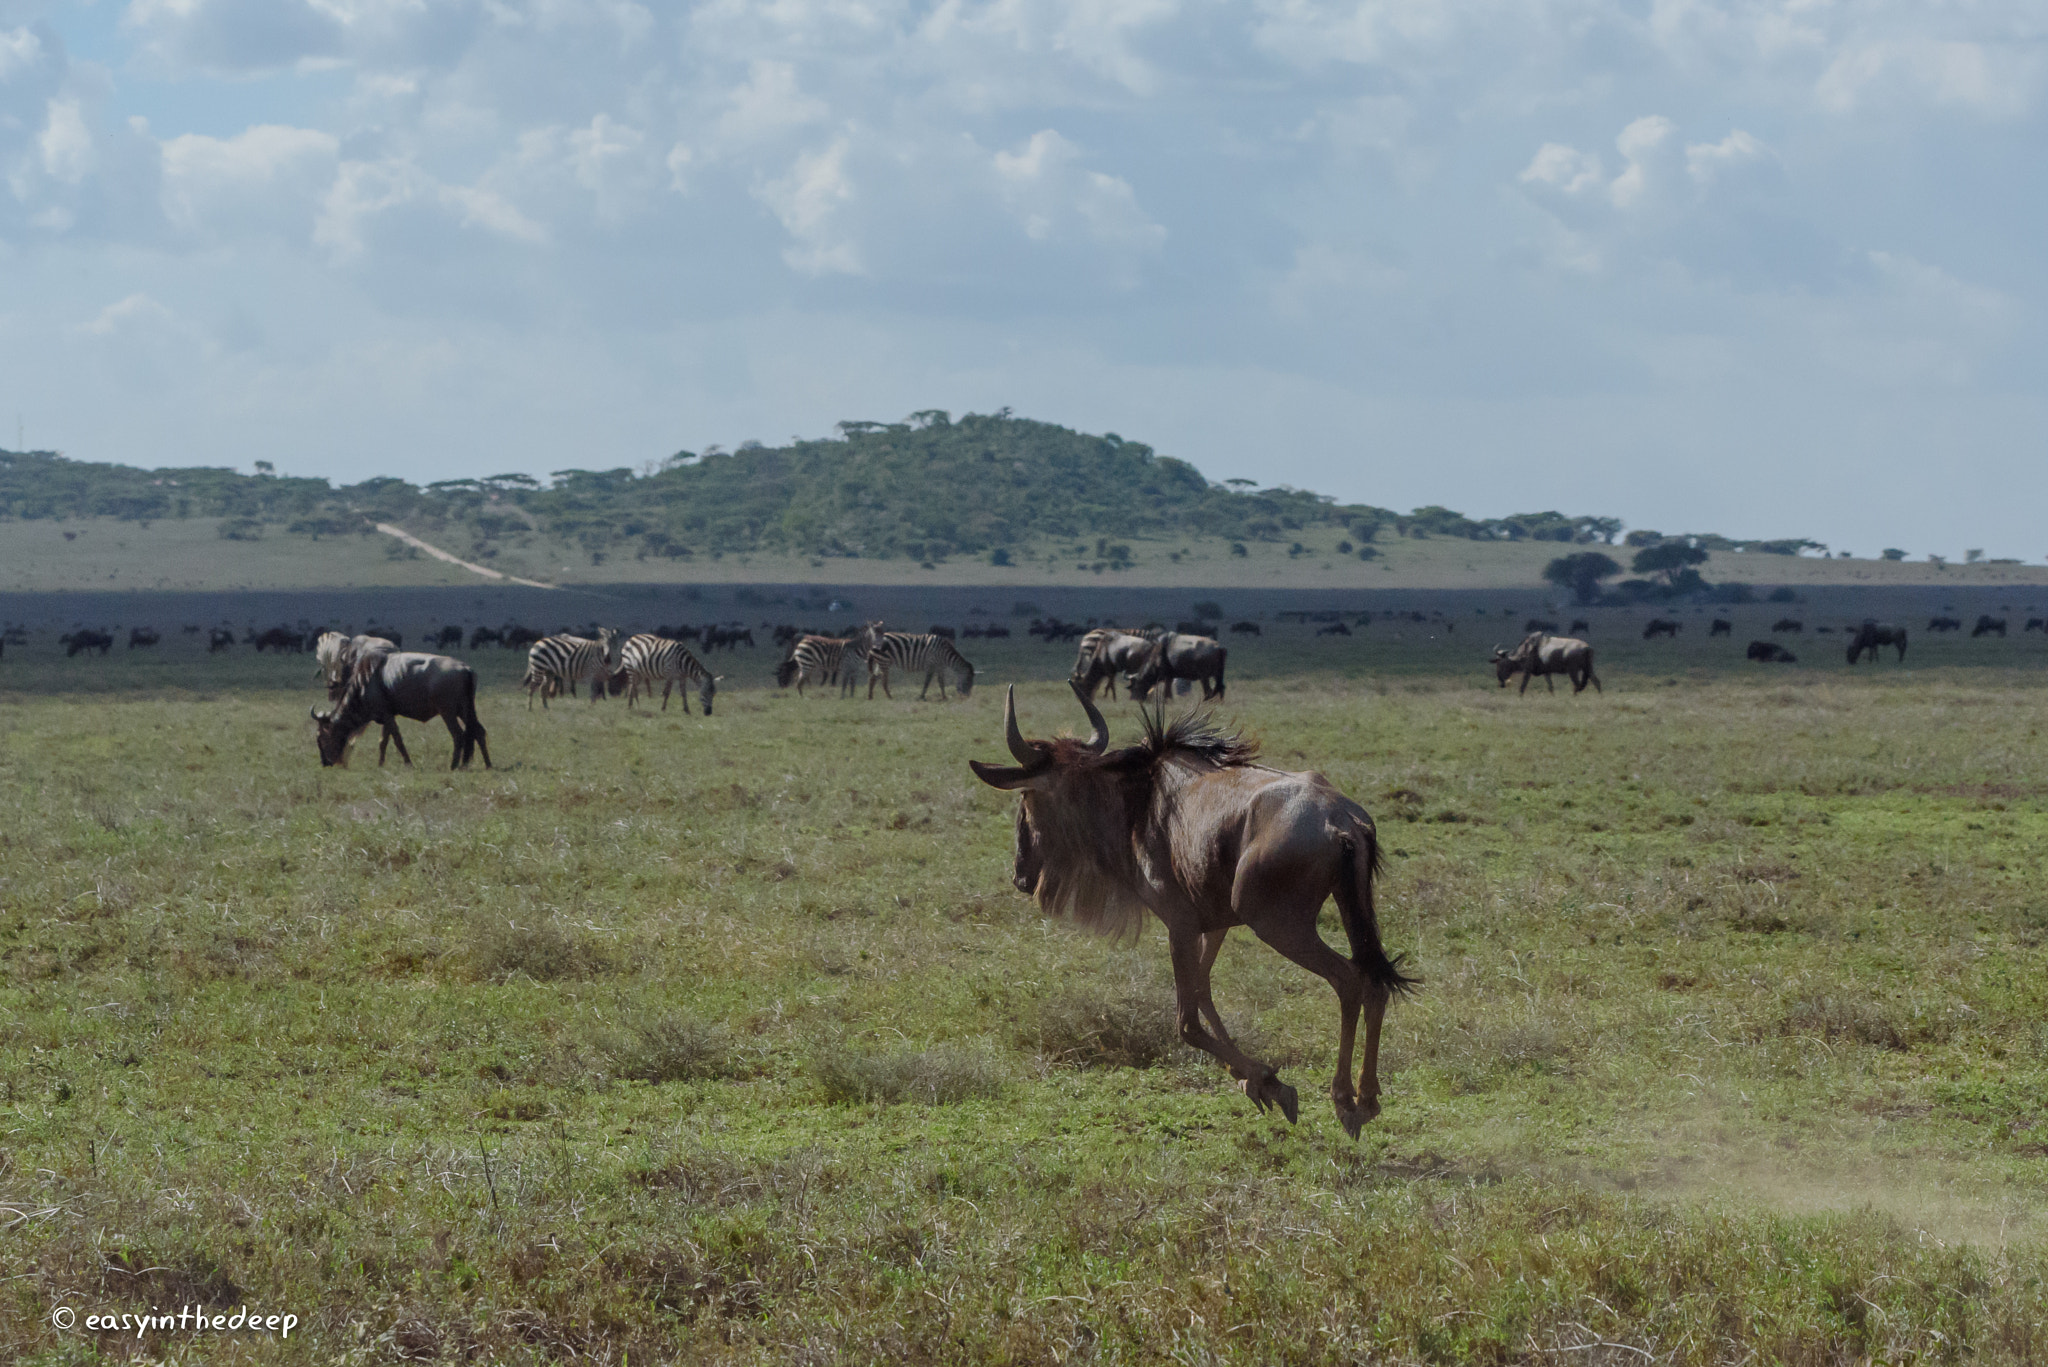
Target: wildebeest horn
1098	738
1019	747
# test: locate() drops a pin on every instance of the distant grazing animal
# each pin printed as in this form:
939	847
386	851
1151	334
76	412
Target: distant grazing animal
1195	628
647	660
446	638
1334	629
1721	627
1825	631
1770	652
484	636
219	639
2035	624
1246	629
386	633
1660	626
819	660
142	636
1871	635
555	664
934	655
1944	624
190	628
946	632
1578	625
1175	656
1548	656
727	638
518	638
1533	624
86	639
1987	625
785	635
1788	624
1105	653
1189	824
996	633
387	685
279	639
335	657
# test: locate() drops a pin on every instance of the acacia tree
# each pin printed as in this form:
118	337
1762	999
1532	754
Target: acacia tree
1670	559
1581	573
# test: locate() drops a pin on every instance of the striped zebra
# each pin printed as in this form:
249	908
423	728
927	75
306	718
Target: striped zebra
647	660
822	660
892	650
554	664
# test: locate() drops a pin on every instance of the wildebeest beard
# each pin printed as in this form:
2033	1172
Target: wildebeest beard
1080	840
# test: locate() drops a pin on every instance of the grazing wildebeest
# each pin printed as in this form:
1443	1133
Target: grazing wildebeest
1578	625
1770	652
1195	628
1986	625
142	636
484	636
1943	624
279	639
1660	626
2035	624
446	638
946	632
1334	629
85	638
996	633
1721	627
1871	635
1189	824
1174	656
1107	652
386	685
1788	624
1246	629
219	639
516	637
1547	655
1533	624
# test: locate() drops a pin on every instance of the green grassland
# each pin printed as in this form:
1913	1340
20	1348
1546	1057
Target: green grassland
104	553
725	1039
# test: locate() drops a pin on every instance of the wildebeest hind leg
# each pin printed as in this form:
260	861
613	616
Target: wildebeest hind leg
391	734
1212	945
1260	1081
1295	937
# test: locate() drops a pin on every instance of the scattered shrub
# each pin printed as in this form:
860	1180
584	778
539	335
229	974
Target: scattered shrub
673	1049
1134	1024
1842	1018
544	953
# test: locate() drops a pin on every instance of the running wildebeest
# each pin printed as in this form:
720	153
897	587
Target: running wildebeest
1660	626
386	685
1721	627
1871	635
1174	656
1987	625
1547	656
1188	824
1770	652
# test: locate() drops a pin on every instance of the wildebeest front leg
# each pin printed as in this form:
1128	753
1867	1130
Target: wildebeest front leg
1259	1081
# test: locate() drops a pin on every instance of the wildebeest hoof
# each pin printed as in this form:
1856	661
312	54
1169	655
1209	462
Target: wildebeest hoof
1270	1091
1354	1116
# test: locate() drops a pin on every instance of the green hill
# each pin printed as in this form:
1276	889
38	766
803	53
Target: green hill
986	485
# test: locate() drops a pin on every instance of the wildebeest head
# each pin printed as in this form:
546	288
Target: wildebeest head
332	738
1503	664
1057	778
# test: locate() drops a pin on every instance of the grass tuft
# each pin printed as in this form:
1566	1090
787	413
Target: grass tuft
940	1076
673	1049
1131	1024
1832	1018
546	952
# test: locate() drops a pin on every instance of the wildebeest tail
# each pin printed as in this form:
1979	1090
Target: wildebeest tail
1361	922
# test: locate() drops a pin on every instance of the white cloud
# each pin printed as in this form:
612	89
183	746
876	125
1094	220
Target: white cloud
270	173
808	200
1051	192
1707	161
768	105
20	50
136	312
66	143
1997	83
1564	169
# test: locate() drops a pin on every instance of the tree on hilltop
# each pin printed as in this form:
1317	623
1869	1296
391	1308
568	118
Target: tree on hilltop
1581	573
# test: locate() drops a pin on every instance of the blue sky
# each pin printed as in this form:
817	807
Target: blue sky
1765	267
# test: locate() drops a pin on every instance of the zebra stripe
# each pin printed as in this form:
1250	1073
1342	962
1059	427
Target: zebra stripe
648	659
554	664
893	650
823	660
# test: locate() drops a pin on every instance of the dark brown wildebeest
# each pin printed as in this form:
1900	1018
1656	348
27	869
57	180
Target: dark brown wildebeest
386	685
1195	628
1188	824
1943	624
1246	629
279	639
447	637
1871	635
1788	624
1987	625
142	636
1578	625
1107	652
2036	624
85	638
1334	629
1660	626
483	636
335	657
1174	656
1548	656
219	639
1771	653
1721	627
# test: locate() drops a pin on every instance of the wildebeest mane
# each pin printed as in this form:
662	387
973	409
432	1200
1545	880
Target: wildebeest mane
1194	734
